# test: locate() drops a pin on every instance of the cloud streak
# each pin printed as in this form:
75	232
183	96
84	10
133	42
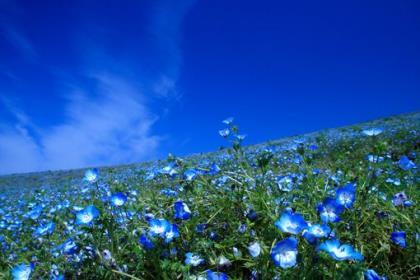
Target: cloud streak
106	121
112	128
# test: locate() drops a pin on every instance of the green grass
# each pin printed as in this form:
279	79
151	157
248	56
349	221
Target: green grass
247	180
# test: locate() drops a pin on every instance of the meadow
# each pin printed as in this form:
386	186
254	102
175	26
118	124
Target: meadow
335	204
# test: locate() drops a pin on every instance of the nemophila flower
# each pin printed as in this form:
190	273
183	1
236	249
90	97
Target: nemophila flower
193	259
236	252
182	211
145	242
214	169
44	229
224	132
228	121
313	232
240	137
316	171
107	257
211	275
398	237
401	199
159	227
190	174
251	214
34	213
371	274
87	215
169	192
285	183
373	158
346	195
172	233
330	210
148	217
254	249
200	228
69	247
22	271
405	163
213	235
242	228
284	253
222	261
396	181
170	170
118	199
91	175
55	273
291	222
313	147
372	131
340	252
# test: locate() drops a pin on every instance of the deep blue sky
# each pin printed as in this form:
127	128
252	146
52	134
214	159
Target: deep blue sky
96	83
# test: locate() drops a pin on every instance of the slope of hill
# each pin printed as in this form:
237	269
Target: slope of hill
334	204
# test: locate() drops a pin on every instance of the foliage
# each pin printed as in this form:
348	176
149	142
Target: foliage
260	212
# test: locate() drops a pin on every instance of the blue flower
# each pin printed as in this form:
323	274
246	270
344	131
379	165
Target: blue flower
291	222
91	175
172	233
285	183
401	199
398	237
190	174
169	192
224	132
214	169
240	137
405	163
330	210
313	232
118	199
340	252
170	169
284	253
211	275
200	228
159	227
34	213
319	230
87	215
193	259
228	121
44	229
313	147
254	249
345	195
145	242
182	211
372	131
22	271
68	247
371	274
222	261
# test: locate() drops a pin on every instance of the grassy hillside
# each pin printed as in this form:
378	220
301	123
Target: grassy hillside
334	204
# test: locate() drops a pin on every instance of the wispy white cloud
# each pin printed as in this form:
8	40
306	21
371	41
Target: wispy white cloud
114	127
107	121
111	128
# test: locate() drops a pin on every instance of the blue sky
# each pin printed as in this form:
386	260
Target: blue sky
84	83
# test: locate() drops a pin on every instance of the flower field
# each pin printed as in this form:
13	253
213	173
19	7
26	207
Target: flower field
336	204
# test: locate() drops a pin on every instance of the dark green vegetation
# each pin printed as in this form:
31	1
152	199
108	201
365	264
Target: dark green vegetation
234	205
